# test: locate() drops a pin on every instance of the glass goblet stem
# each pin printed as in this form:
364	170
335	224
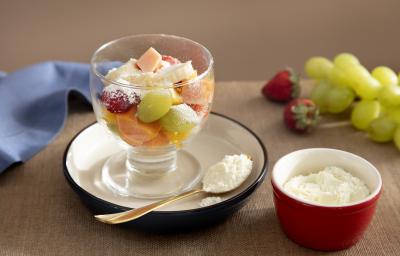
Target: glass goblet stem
151	161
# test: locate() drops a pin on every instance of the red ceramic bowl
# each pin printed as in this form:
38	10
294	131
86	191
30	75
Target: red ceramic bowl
314	225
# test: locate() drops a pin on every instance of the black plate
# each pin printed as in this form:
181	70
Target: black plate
173	220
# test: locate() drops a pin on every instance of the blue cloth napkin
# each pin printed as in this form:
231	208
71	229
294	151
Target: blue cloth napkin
33	106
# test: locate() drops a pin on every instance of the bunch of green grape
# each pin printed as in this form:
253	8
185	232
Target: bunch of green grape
374	97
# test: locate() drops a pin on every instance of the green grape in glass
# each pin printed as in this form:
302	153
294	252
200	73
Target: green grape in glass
153	106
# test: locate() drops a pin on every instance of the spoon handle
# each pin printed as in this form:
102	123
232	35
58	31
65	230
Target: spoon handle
121	217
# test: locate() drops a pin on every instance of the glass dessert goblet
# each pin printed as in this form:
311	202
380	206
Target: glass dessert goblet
152	93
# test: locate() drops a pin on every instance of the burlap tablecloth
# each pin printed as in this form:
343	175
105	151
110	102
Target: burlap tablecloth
41	215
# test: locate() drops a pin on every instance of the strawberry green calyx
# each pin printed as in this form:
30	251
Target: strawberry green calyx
306	116
295	79
301	115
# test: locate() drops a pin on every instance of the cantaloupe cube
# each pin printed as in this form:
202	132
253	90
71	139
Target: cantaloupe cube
134	132
160	140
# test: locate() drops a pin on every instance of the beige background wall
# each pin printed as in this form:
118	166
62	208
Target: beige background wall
249	39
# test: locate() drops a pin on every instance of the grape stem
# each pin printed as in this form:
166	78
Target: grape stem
335	124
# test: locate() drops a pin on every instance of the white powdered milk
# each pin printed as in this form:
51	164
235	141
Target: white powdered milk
116	91
186	114
210	201
166	75
331	186
228	174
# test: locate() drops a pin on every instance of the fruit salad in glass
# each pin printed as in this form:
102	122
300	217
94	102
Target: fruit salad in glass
152	93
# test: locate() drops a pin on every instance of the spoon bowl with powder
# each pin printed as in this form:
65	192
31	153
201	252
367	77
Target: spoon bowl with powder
220	178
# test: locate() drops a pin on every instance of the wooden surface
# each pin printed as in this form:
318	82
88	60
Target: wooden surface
41	215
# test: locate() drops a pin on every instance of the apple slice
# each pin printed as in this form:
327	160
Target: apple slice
149	61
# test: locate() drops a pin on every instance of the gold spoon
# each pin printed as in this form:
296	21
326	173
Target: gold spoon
121	217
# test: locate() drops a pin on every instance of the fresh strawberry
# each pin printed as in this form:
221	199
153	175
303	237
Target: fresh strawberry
115	100
170	59
301	115
283	87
